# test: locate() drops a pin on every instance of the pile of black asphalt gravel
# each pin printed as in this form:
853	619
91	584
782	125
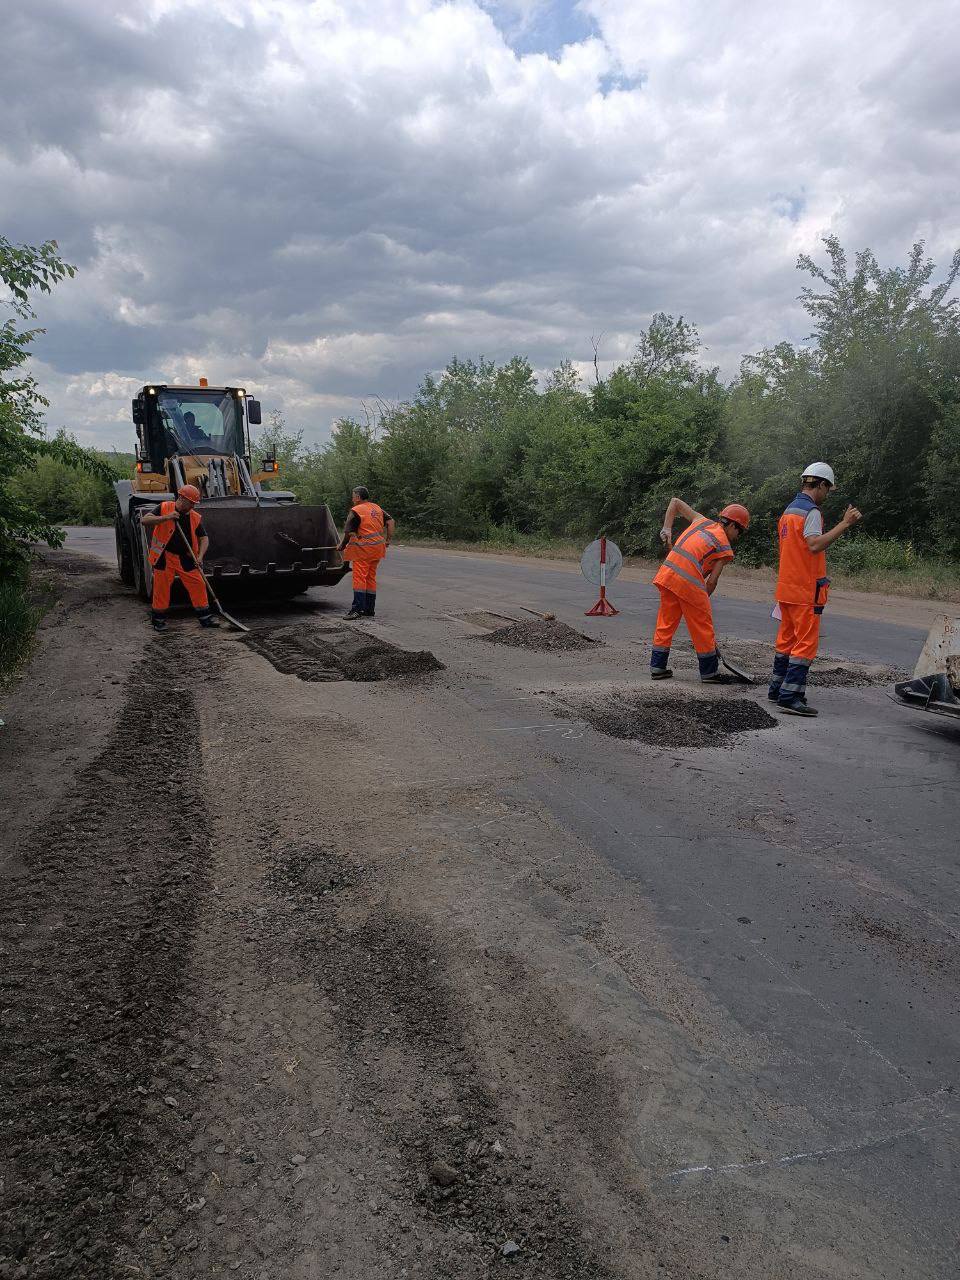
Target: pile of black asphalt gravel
672	721
541	636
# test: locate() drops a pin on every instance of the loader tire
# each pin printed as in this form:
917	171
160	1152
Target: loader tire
137	559
124	558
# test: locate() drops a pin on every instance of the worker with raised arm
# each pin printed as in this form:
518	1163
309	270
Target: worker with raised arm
803	586
688	578
366	535
172	523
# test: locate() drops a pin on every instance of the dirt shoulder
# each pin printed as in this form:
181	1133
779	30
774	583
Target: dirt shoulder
737	583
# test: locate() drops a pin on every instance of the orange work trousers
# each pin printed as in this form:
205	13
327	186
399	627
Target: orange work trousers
163	580
799	632
365	573
698	616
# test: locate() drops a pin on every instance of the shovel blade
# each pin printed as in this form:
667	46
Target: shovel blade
743	676
237	626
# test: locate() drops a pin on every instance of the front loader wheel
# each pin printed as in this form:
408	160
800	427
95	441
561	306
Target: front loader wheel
138	556
124	558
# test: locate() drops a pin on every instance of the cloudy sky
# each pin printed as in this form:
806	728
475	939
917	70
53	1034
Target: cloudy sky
322	201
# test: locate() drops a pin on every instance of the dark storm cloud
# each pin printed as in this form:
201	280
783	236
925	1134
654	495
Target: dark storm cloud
326	201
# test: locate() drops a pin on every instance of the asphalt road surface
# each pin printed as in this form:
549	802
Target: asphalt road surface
714	986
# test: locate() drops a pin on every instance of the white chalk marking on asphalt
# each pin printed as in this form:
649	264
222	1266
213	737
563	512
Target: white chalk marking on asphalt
844	1149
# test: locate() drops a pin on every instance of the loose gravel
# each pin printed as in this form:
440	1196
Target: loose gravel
670	721
541	636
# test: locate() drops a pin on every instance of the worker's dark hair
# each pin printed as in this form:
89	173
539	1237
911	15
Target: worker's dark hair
362	492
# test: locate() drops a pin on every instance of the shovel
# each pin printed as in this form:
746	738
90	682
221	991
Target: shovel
210	591
738	673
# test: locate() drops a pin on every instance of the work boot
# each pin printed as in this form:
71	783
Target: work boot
661	673
208	620
158	624
357	608
773	693
370	605
797	706
718	677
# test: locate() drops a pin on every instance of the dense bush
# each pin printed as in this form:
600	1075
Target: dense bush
62	493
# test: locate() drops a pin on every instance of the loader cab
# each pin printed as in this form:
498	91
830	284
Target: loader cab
183	431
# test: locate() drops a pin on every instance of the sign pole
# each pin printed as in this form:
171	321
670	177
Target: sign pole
603	608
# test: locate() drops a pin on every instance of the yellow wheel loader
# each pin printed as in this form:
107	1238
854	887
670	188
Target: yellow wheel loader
262	542
935	685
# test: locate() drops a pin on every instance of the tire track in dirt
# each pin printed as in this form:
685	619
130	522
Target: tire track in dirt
410	1046
96	930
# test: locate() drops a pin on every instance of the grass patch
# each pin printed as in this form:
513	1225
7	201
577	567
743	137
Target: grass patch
23	600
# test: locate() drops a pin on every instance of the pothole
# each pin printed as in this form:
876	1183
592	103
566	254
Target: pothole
338	653
670	721
541	636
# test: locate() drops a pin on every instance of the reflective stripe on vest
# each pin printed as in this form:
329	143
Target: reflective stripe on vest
162	533
692	556
370	534
802	578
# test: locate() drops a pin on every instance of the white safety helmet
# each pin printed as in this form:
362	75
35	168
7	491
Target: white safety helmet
819	471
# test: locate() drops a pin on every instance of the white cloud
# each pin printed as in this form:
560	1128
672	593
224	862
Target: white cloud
325	201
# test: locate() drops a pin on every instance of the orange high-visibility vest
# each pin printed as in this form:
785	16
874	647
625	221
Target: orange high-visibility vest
369	542
162	533
691	558
803	573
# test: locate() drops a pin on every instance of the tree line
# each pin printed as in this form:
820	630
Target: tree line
484	452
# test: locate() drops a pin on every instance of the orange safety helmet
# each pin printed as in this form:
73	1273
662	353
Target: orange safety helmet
738	514
190	492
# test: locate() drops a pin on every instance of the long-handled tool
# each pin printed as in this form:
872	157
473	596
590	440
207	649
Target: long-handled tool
210	591
738	672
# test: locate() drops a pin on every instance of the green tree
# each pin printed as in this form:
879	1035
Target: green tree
25	269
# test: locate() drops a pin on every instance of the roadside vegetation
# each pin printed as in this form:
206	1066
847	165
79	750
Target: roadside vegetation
488	455
25	269
484	455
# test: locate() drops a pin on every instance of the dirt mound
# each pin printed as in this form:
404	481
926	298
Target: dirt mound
540	636
671	721
338	653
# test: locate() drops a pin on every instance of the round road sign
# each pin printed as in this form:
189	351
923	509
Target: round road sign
590	562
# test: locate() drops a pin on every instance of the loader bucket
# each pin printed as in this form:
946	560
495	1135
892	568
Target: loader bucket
271	545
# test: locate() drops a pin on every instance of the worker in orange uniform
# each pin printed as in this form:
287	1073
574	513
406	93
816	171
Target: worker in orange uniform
366	535
170	563
802	586
687	579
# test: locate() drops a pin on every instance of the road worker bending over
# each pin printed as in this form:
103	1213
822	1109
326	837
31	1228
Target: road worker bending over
171	560
802	587
686	581
366	536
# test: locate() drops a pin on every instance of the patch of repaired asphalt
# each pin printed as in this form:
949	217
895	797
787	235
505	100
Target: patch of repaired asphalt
338	653
541	636
669	721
